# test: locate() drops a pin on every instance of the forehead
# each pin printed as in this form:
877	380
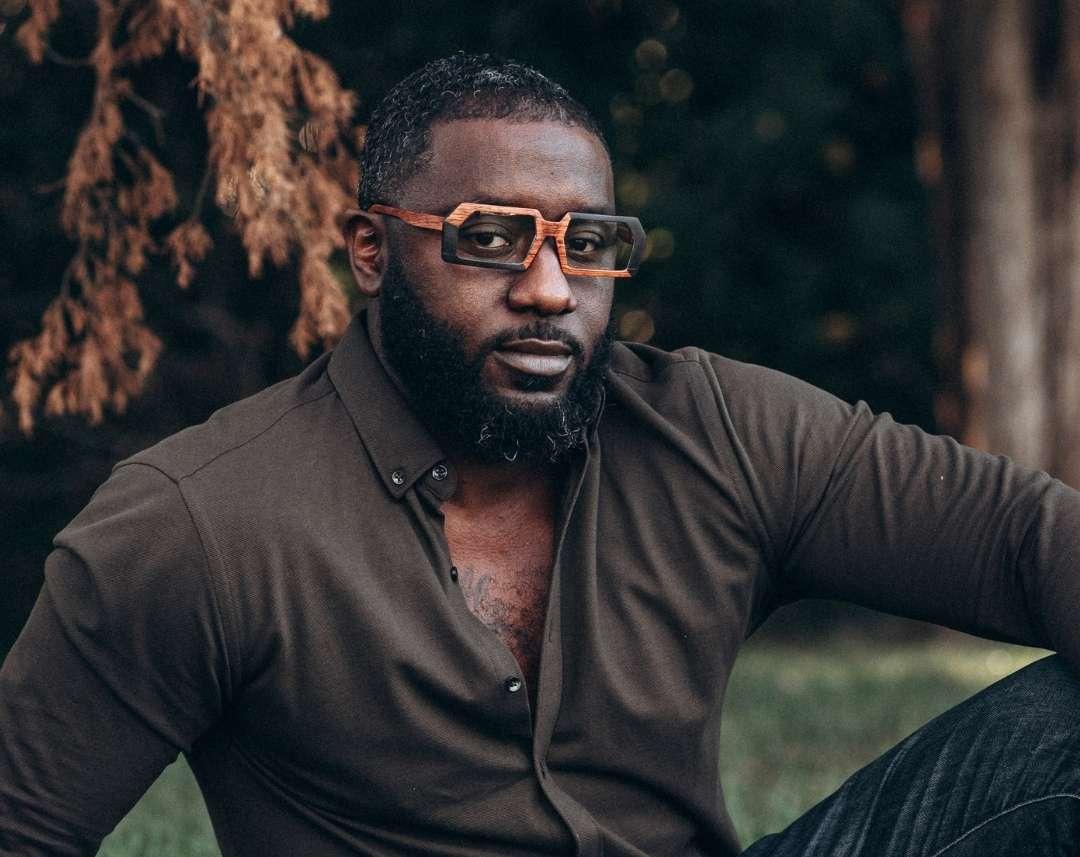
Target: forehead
546	165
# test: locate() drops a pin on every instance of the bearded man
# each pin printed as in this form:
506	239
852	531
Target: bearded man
474	582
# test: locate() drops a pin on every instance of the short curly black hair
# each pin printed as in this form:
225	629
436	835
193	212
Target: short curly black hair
460	86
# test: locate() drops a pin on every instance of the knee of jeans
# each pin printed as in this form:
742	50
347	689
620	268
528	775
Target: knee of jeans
1043	695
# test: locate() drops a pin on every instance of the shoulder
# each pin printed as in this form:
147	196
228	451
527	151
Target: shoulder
735	387
149	524
634	361
161	541
648	364
765	424
767	437
281	415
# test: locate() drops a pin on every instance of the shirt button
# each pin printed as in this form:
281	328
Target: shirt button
453	573
439	472
513	684
397	477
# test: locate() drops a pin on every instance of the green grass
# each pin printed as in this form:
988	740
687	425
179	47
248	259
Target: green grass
797	723
169	821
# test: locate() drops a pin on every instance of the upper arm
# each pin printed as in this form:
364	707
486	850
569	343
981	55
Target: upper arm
919	525
123	663
861	508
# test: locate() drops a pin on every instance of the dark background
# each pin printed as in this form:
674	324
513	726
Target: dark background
767	146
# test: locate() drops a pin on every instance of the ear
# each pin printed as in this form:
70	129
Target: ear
365	244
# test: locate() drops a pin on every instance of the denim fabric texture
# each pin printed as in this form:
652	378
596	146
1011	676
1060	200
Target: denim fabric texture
996	776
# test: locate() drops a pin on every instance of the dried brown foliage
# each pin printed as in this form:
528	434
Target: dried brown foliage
279	162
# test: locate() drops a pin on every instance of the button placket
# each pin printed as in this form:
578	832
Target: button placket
509	688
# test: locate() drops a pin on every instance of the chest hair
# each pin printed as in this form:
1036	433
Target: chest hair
513	604
505	573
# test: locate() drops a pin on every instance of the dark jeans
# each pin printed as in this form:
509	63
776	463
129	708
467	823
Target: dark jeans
997	775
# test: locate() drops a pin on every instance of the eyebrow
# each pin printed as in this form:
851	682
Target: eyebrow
487	199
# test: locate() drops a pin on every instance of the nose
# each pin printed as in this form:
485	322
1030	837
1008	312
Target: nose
543	287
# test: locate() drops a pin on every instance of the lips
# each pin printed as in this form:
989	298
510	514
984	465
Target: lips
543	357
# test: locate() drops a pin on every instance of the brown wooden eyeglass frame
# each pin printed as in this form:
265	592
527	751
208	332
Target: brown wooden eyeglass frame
545	229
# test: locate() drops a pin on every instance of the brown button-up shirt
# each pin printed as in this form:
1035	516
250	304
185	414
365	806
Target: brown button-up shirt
271	594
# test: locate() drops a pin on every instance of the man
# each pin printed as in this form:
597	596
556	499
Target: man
474	582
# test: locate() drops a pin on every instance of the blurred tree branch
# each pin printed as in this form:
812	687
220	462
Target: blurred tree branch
282	163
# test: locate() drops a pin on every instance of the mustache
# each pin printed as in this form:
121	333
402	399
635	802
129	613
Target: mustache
535	330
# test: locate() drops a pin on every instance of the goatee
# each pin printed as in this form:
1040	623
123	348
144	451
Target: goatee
447	391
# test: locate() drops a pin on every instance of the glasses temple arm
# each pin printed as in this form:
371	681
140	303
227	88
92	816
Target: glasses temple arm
413	218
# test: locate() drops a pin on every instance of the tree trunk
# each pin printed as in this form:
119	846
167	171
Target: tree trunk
998	81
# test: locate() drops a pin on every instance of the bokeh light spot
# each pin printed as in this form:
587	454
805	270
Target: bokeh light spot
770	126
659	243
838	328
676	85
839	156
929	163
632	189
625	112
668	16
636	325
650	54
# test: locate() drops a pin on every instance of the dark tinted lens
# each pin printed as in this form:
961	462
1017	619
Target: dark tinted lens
600	244
490	237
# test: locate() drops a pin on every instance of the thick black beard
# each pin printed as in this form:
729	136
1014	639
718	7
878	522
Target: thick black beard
446	390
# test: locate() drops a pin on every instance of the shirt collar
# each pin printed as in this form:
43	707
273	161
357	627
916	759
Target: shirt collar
401	449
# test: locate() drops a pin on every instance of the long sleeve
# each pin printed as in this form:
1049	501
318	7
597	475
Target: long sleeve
121	666
859	508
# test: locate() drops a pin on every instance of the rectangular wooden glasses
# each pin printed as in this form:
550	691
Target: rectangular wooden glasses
508	238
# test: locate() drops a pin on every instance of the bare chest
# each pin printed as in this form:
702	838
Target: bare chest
505	578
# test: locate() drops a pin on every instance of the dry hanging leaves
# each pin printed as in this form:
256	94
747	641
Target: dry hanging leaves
284	189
